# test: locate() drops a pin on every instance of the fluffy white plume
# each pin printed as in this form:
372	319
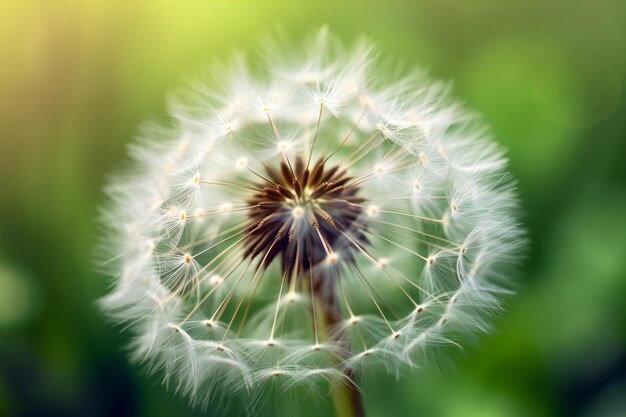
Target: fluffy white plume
422	266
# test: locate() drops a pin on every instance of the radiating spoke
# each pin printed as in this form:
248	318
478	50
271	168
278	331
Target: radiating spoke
317	129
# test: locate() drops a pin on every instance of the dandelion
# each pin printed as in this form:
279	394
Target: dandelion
295	228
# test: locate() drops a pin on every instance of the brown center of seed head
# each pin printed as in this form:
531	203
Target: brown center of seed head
306	216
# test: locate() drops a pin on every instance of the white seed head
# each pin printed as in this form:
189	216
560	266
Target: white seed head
247	244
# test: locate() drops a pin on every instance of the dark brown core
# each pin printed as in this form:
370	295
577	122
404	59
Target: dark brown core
304	215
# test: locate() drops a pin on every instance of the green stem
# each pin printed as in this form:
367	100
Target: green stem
346	398
348	402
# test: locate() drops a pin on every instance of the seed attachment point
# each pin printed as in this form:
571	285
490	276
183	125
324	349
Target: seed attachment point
297	212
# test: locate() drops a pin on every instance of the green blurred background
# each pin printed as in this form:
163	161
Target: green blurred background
77	78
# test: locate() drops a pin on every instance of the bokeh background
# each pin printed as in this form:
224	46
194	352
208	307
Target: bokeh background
78	77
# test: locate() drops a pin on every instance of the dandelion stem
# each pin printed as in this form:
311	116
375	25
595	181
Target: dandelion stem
346	397
348	402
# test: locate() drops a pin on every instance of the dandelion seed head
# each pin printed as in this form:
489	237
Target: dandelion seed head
301	215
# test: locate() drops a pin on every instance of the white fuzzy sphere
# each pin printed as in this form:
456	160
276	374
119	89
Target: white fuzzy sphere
423	264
